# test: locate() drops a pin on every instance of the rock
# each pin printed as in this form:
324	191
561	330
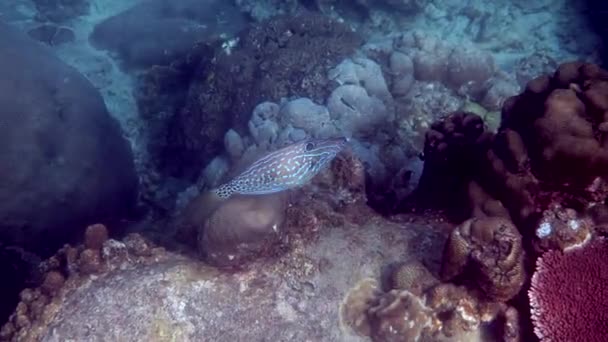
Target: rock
64	161
293	297
60	10
242	229
159	31
52	34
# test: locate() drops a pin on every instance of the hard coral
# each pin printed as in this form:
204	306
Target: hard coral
353	309
550	150
453	144
399	316
569	294
243	228
412	276
490	251
276	58
438	312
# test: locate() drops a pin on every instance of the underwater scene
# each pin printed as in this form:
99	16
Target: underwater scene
304	170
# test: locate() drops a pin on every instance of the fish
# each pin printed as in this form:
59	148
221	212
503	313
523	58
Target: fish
286	168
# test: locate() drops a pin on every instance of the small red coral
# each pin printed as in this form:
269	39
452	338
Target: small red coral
569	294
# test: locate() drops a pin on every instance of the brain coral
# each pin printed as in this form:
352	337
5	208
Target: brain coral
490	251
569	294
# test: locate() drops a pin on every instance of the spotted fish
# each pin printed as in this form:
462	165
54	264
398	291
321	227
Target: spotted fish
286	168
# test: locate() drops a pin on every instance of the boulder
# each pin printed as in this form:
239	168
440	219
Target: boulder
63	160
156	32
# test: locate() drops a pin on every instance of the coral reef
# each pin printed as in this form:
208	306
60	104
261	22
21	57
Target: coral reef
146	292
544	165
443	312
281	57
489	252
569	292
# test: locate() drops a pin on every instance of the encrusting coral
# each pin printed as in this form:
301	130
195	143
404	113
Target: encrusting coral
438	312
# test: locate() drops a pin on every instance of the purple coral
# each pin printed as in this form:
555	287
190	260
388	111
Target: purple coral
569	294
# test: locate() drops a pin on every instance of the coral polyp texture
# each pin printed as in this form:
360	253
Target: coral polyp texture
549	155
436	312
488	250
569	293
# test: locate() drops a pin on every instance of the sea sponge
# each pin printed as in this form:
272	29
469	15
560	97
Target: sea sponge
95	235
490	251
569	292
243	228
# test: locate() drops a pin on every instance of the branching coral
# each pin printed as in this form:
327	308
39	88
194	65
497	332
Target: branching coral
569	294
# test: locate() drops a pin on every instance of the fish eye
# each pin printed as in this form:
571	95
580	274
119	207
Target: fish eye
309	146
